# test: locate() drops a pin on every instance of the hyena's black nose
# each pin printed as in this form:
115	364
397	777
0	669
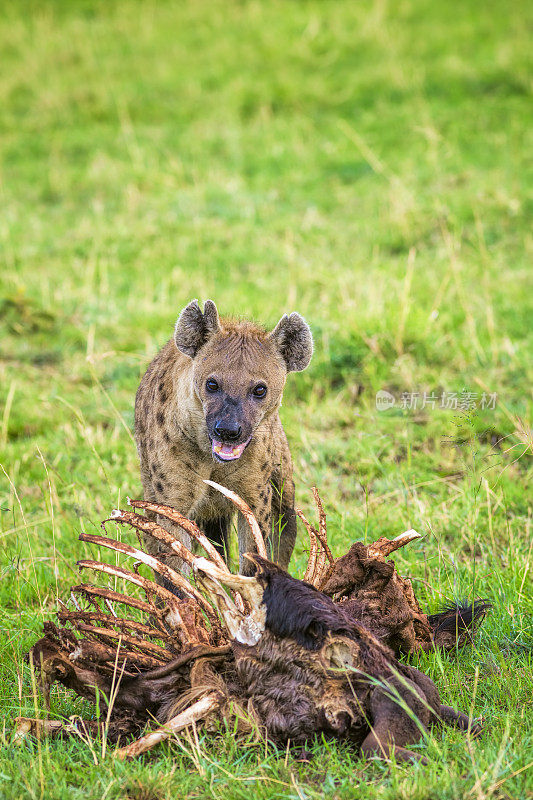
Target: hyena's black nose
227	431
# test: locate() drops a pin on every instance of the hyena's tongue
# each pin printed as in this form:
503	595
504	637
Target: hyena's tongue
228	452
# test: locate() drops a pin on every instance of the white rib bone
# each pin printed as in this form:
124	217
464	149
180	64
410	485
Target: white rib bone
247	513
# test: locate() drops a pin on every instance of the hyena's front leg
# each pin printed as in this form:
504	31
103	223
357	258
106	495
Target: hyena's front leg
284	521
261	506
217	531
166	555
153	546
162	491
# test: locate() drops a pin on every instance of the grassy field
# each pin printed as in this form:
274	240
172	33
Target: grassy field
366	164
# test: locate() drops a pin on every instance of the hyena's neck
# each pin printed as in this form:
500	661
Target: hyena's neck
188	415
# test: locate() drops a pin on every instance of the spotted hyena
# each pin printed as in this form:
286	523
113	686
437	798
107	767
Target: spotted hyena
207	408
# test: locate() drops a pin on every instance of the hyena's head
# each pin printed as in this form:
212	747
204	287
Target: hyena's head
239	371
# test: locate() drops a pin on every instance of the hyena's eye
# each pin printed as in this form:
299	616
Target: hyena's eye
259	391
211	385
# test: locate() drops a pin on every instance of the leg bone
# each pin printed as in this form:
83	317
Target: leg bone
193	714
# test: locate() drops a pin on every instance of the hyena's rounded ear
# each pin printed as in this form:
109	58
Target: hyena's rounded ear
294	340
195	327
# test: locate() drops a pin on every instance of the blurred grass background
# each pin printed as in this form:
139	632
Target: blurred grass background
367	164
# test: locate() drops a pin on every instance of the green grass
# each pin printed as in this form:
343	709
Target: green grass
364	163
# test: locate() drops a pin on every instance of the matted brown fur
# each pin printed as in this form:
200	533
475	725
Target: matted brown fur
175	416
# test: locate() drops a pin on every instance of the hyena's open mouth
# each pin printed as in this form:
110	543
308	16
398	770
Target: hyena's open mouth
226	451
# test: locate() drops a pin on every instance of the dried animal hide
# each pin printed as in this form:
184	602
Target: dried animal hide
374	594
287	658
